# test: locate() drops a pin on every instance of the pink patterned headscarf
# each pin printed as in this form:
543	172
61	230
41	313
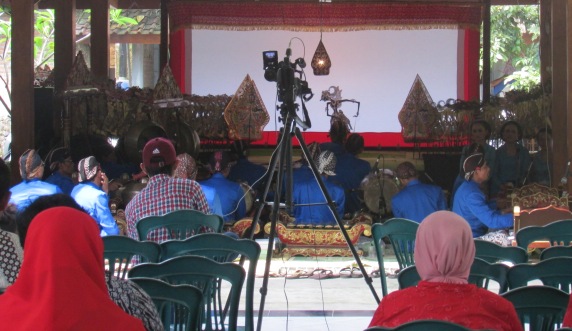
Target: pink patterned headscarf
187	167
444	248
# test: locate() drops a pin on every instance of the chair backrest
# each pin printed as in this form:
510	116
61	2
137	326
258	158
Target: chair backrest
206	274
492	252
119	250
556	233
481	274
423	325
178	305
556	251
541	307
180	224
555	272
401	233
220	247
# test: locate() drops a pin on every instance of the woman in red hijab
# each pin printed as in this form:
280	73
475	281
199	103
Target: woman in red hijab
61	285
444	253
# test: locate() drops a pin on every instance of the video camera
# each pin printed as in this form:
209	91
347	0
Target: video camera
284	74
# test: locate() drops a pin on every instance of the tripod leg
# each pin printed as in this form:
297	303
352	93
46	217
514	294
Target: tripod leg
333	209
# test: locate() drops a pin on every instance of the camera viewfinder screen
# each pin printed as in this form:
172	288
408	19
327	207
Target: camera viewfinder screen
270	58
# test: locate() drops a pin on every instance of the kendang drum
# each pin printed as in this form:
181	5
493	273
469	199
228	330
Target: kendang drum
378	189
248	196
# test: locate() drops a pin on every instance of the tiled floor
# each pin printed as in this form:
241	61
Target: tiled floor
333	304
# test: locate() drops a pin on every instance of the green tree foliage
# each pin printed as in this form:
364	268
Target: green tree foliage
515	39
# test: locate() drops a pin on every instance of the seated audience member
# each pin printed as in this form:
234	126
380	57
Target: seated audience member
350	171
163	193
61	285
91	195
309	192
10	248
230	193
187	168
511	160
31	187
470	203
244	170
126	294
416	200
61	168
339	130
541	163
444	252
567	322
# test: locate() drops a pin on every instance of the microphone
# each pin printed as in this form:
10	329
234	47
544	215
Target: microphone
564	179
375	168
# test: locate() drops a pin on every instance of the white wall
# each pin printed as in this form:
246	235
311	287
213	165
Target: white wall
376	68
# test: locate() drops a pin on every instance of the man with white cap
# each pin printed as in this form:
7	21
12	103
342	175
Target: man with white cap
91	195
163	193
310	206
31	187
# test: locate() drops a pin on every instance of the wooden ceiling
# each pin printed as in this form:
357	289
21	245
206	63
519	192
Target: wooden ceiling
156	4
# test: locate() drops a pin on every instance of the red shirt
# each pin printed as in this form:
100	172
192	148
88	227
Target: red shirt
464	304
568	316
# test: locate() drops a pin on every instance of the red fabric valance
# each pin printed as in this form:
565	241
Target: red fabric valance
219	15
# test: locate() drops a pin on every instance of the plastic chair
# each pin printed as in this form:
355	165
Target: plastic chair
220	247
557	233
180	224
493	253
203	273
556	251
401	233
481	273
119	250
178	305
423	325
541	307
555	272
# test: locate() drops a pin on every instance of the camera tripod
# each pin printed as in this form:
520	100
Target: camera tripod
283	156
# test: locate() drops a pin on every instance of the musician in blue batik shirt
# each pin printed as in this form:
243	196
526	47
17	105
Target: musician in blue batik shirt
31	187
91	195
61	168
309	192
416	200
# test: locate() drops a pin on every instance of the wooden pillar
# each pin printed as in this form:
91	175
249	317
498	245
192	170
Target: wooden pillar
486	51
164	48
560	88
568	123
22	81
64	40
545	42
100	40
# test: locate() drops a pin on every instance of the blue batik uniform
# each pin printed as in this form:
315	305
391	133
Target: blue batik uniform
246	171
230	194
213	200
27	191
471	204
96	203
65	183
350	171
417	200
509	168
309	192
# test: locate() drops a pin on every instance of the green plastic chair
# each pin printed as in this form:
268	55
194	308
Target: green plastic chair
220	247
178	305
423	325
556	251
558	233
203	273
541	307
481	274
555	272
493	253
119	250
401	233
180	224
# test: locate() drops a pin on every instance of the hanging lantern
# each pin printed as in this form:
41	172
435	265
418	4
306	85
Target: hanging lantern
321	61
